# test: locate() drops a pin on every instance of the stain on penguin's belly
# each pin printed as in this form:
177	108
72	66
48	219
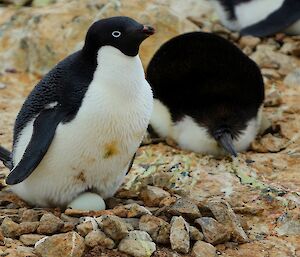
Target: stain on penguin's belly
90	153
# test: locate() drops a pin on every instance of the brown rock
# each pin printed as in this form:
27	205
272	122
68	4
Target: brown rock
269	143
179	236
97	237
153	195
138	244
31	215
113	226
20	251
30	239
61	245
169	200
134	222
249	41
213	232
202	249
28	227
49	224
84	228
130	210
1	238
186	208
68	226
9	228
273	99
225	215
195	234
158	229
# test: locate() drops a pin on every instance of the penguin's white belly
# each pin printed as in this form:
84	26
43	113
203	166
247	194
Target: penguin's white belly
191	136
93	151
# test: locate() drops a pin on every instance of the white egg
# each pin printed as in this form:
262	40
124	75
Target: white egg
88	202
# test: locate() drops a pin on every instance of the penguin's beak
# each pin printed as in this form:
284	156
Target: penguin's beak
225	141
148	31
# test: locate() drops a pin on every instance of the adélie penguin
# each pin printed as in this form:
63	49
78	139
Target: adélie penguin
208	94
80	127
260	17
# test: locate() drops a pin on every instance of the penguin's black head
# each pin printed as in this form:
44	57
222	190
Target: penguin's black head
120	32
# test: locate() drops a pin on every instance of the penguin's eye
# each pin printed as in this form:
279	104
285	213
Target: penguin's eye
116	33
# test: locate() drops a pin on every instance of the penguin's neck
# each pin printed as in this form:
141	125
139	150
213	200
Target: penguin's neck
120	75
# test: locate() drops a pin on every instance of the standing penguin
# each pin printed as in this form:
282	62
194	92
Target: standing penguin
260	17
208	95
81	125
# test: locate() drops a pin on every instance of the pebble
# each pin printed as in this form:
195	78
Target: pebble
202	249
213	231
9	228
152	195
134	222
30	239
169	200
225	215
186	208
31	215
138	244
293	78
273	99
179	235
27	227
249	41
130	210
50	224
113	226
84	228
97	237
195	234
61	245
269	143
158	229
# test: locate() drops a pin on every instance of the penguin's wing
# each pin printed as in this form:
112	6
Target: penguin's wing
44	128
279	20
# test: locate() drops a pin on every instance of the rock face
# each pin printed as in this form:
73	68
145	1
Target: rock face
61	245
32	48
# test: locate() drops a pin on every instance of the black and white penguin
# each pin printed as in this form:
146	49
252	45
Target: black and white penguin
81	125
208	94
260	17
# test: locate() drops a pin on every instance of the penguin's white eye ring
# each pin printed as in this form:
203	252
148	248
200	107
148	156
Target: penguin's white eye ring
116	33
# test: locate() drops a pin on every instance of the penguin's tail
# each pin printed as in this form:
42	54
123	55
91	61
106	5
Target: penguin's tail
5	157
225	139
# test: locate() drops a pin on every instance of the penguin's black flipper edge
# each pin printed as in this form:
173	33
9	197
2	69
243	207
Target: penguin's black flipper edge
5	157
44	128
281	19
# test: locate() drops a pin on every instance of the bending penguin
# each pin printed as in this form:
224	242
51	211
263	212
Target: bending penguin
260	17
208	95
80	127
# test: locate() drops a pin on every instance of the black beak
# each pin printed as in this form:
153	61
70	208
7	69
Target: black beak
225	140
148	30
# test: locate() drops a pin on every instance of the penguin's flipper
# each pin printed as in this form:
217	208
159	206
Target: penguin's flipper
44	128
279	20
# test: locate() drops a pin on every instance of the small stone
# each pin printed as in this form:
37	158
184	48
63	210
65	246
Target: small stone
49	224
30	239
179	235
130	210
249	41
1	238
20	251
31	215
138	244
9	228
28	227
2	85
113	226
186	208
67	218
213	231
273	99
134	222
202	249
158	229
225	215
61	245
84	228
68	226
269	143
292	48
97	237
169	200
293	78
195	234
152	195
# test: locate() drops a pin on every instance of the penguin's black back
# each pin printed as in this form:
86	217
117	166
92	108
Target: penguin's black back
208	78
65	84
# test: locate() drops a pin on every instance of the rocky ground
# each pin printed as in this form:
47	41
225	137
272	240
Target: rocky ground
173	202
